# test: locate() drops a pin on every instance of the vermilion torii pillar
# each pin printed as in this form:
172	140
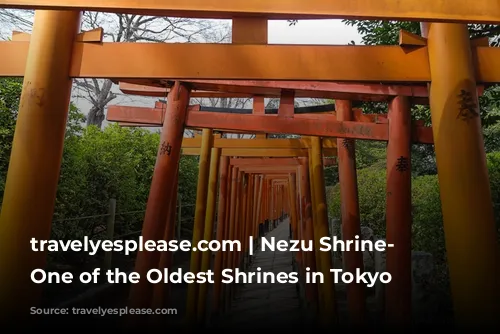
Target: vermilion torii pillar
199	221
308	229
221	230
210	212
327	306
35	161
351	226
469	224
398	214
162	190
162	291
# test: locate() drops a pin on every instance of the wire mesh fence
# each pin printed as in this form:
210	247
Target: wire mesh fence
107	226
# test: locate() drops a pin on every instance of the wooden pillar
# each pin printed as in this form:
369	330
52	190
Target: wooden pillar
260	203
232	212
292	181
252	30
199	221
206	257
162	190
258	106
228	230
297	212
255	206
311	290
161	291
327	308
300	204
398	214
351	226
283	200
313	215
275	203
238	221
221	227
249	214
35	160
280	202
232	227
268	200
294	221
470	232
241	218
272	203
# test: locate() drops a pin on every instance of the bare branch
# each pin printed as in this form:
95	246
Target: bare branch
123	28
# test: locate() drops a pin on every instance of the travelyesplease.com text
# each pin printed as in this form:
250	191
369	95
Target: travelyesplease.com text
267	244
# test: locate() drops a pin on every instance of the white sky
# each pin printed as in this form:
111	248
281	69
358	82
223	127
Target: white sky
318	32
312	32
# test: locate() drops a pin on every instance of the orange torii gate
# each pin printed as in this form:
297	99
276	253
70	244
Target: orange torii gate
237	170
349	197
362	126
222	148
349	193
137	114
52	56
252	169
275	147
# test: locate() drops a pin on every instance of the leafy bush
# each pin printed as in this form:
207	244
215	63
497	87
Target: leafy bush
371	191
427	225
97	165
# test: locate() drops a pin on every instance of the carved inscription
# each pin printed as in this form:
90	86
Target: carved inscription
348	144
402	165
468	108
358	130
165	149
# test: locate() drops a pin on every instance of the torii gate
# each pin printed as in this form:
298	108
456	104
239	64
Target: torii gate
447	61
396	210
229	147
241	148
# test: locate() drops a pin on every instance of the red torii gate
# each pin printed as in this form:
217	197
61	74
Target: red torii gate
398	178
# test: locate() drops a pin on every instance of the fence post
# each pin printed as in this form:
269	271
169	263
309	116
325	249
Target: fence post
110	232
179	219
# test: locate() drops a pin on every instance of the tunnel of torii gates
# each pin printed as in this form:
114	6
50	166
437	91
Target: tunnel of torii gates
443	65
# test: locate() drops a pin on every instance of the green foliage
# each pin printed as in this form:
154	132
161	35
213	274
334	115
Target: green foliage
371	183
493	160
427	225
10	92
188	180
369	153
98	165
423	157
331	174
115	163
492	138
382	32
387	32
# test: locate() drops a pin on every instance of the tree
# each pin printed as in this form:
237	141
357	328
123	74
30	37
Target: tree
10	93
387	33
119	28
